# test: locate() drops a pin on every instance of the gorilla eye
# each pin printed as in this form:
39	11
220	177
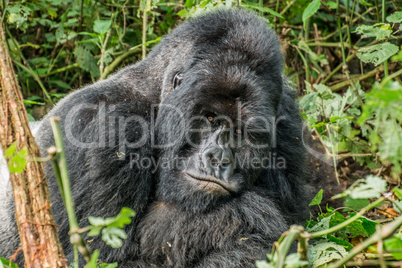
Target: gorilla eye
177	80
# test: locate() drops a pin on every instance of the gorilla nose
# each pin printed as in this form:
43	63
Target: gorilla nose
219	163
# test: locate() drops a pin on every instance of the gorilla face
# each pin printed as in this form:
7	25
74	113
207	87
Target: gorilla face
216	132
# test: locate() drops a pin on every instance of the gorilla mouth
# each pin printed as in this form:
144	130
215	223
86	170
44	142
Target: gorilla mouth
231	188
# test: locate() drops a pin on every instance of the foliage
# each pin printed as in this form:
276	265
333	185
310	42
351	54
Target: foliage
111	228
7	264
16	160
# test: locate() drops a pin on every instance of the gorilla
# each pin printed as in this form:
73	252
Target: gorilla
202	139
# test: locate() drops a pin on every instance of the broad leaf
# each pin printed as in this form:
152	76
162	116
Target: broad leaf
395	18
310	10
102	26
377	54
317	199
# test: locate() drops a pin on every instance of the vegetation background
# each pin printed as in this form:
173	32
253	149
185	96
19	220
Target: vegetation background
343	57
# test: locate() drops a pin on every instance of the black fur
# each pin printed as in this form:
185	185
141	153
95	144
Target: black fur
227	60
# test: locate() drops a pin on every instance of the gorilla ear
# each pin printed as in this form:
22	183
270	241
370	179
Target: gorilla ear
177	80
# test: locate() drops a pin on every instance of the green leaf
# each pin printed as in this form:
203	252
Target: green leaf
332	5
311	9
325	252
317	199
113	236
374	31
17	161
264	10
86	60
355	204
10	151
102	26
294	261
189	3
321	225
372	187
394	243
61	36
398	206
94	35
108	265
368	225
348	246
395	17
60	84
398	192
263	264
93	263
94	231
7	263
183	13
377	54
30	118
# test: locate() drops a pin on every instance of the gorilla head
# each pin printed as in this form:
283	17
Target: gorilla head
219	110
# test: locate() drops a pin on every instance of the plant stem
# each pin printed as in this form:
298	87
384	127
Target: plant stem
75	237
339	86
306	37
144	28
36	78
383	21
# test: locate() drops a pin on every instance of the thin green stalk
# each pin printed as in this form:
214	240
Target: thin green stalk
76	259
287	242
52	151
386	79
103	50
75	237
55	60
306	37
63	69
288	7
377	12
347	222
348	24
276	9
29	69
383	21
303	58
119	59
260	4
345	66
36	78
340	33
337	68
333	155
144	28
353	12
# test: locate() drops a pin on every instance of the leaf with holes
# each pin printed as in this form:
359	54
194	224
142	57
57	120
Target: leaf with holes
379	31
395	18
378	53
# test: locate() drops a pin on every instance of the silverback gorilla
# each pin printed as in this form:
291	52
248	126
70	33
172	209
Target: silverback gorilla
202	139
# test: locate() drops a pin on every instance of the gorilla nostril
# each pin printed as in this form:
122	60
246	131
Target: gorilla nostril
214	162
225	162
